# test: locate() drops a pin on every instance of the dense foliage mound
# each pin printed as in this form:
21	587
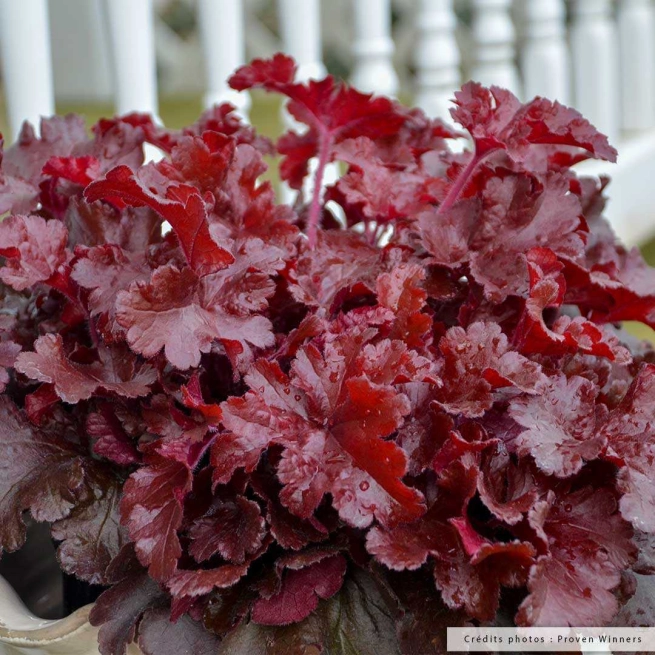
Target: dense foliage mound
399	404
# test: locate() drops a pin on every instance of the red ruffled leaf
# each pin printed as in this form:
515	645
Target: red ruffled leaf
589	545
104	271
233	528
117	371
300	592
495	118
629	432
151	509
179	204
110	439
184	315
333	112
561	425
547	291
34	249
287	411
184	584
478	365
39	471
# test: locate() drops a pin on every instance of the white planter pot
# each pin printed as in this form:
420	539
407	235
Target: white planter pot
21	632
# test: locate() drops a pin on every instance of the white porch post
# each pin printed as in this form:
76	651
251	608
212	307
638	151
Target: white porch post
595	64
300	26
637	47
494	34
26	61
132	40
437	57
223	42
545	54
373	48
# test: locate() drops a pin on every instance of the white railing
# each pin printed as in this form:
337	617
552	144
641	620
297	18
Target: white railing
598	55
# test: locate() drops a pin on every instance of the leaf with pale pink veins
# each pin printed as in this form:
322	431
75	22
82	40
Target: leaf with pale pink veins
33	249
479	365
117	371
561	425
630	435
589	545
291	412
184	315
151	510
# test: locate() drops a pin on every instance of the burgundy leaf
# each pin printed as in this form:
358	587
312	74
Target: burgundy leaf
179	204
630	437
478	365
120	608
300	593
408	545
283	410
474	582
202	581
233	528
91	535
104	271
496	119
110	439
151	509
183	315
39	472
589	545
561	425
117	371
547	291
33	248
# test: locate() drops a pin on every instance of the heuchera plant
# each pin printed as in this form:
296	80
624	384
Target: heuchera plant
399	404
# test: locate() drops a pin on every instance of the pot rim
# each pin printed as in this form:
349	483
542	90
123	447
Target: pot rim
20	627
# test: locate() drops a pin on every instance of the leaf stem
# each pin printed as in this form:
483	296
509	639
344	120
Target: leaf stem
314	217
462	180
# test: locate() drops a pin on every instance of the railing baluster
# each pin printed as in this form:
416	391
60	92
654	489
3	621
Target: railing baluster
595	64
300	25
545	54
223	42
131	32
373	48
437	57
494	34
26	61
636	34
